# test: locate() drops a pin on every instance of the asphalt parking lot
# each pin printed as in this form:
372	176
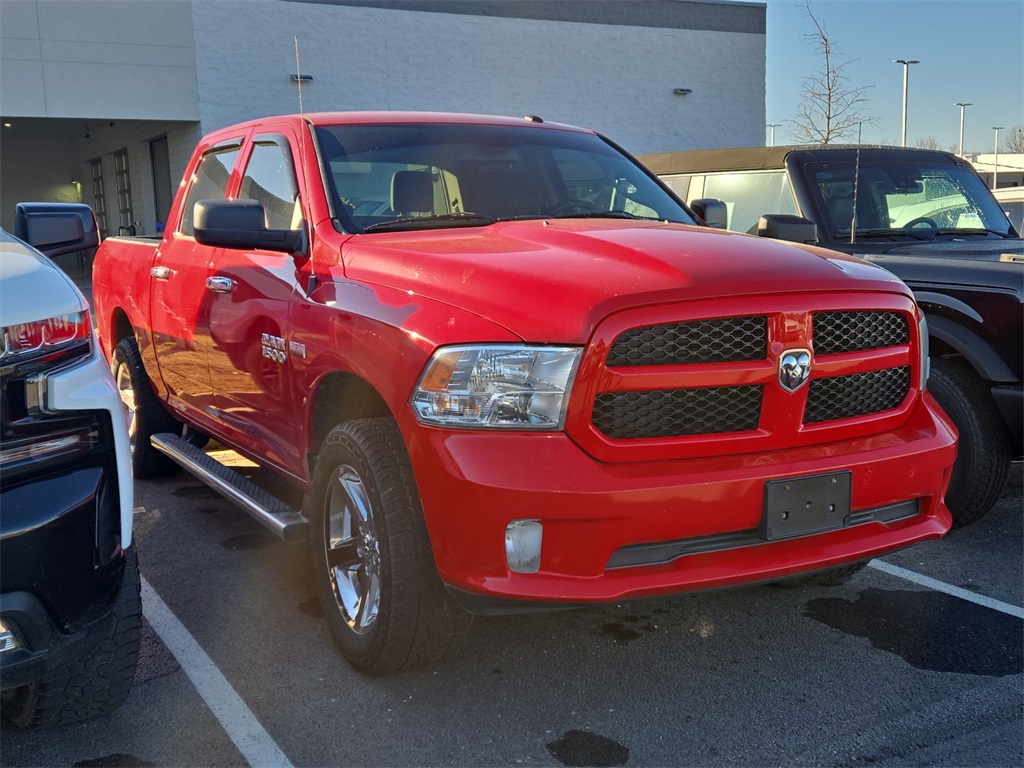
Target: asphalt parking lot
918	660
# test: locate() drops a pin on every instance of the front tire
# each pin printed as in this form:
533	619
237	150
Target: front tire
983	454
98	680
146	415
373	567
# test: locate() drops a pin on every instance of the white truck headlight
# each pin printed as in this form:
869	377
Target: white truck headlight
497	386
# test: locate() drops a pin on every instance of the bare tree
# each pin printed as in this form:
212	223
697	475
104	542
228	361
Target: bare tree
830	109
1014	142
930	142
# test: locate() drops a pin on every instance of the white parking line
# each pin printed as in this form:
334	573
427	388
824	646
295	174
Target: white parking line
949	589
238	721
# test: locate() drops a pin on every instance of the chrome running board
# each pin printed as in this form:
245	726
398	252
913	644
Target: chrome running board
269	510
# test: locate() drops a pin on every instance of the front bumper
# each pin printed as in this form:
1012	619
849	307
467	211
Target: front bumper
472	485
65	488
42	644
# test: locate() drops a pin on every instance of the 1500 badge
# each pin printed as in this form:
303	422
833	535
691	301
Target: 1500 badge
274	348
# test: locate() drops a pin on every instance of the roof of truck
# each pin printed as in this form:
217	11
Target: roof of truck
753	158
399	118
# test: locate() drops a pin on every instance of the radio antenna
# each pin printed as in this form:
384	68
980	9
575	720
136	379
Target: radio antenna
856	179
298	72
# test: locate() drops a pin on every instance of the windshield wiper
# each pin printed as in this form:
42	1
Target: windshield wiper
602	215
972	231
465	219
927	234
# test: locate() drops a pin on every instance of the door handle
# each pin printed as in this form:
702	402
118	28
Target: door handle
220	284
161	273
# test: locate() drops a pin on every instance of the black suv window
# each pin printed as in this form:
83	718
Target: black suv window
904	195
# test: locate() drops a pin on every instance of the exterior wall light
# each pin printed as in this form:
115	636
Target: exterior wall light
682	91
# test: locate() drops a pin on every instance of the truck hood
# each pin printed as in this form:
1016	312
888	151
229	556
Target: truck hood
999	249
32	287
553	281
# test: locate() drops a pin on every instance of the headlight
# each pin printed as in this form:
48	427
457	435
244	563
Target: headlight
497	387
52	336
922	332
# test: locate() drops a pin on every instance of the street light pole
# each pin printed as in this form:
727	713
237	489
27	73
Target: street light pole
906	77
773	126
962	105
995	163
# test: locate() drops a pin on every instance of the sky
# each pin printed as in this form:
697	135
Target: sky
969	52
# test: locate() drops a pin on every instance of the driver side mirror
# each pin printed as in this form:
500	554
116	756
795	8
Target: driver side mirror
56	228
242	224
715	213
785	226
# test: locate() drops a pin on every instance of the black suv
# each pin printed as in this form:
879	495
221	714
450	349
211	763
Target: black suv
70	611
927	217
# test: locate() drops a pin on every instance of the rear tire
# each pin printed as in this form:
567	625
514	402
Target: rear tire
374	570
983	454
146	414
98	680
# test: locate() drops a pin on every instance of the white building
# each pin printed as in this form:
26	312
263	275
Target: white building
1007	167
102	100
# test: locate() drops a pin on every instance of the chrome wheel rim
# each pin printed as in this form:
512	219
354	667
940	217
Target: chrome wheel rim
127	393
353	550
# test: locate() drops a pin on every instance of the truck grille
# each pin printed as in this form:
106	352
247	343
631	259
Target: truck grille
746	390
859	394
671	413
701	341
836	332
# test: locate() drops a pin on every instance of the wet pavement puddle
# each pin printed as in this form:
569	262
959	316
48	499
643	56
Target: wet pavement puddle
194	492
582	748
312	607
929	630
248	541
632	627
117	760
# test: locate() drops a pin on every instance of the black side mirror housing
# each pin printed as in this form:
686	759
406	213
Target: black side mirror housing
714	212
242	224
786	226
56	228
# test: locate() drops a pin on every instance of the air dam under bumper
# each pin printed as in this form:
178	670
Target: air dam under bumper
473	484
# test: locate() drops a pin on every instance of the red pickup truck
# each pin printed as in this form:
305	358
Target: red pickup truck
507	369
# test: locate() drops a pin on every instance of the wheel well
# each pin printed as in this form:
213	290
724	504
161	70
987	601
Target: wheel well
121	328
343	397
938	348
948	338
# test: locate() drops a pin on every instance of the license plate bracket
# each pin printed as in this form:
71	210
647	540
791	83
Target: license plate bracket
800	506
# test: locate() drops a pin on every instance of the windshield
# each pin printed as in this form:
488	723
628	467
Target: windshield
400	177
905	198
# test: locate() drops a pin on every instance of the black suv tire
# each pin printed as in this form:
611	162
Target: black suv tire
983	454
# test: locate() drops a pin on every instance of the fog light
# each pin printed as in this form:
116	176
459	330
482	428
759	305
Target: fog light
522	545
8	641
